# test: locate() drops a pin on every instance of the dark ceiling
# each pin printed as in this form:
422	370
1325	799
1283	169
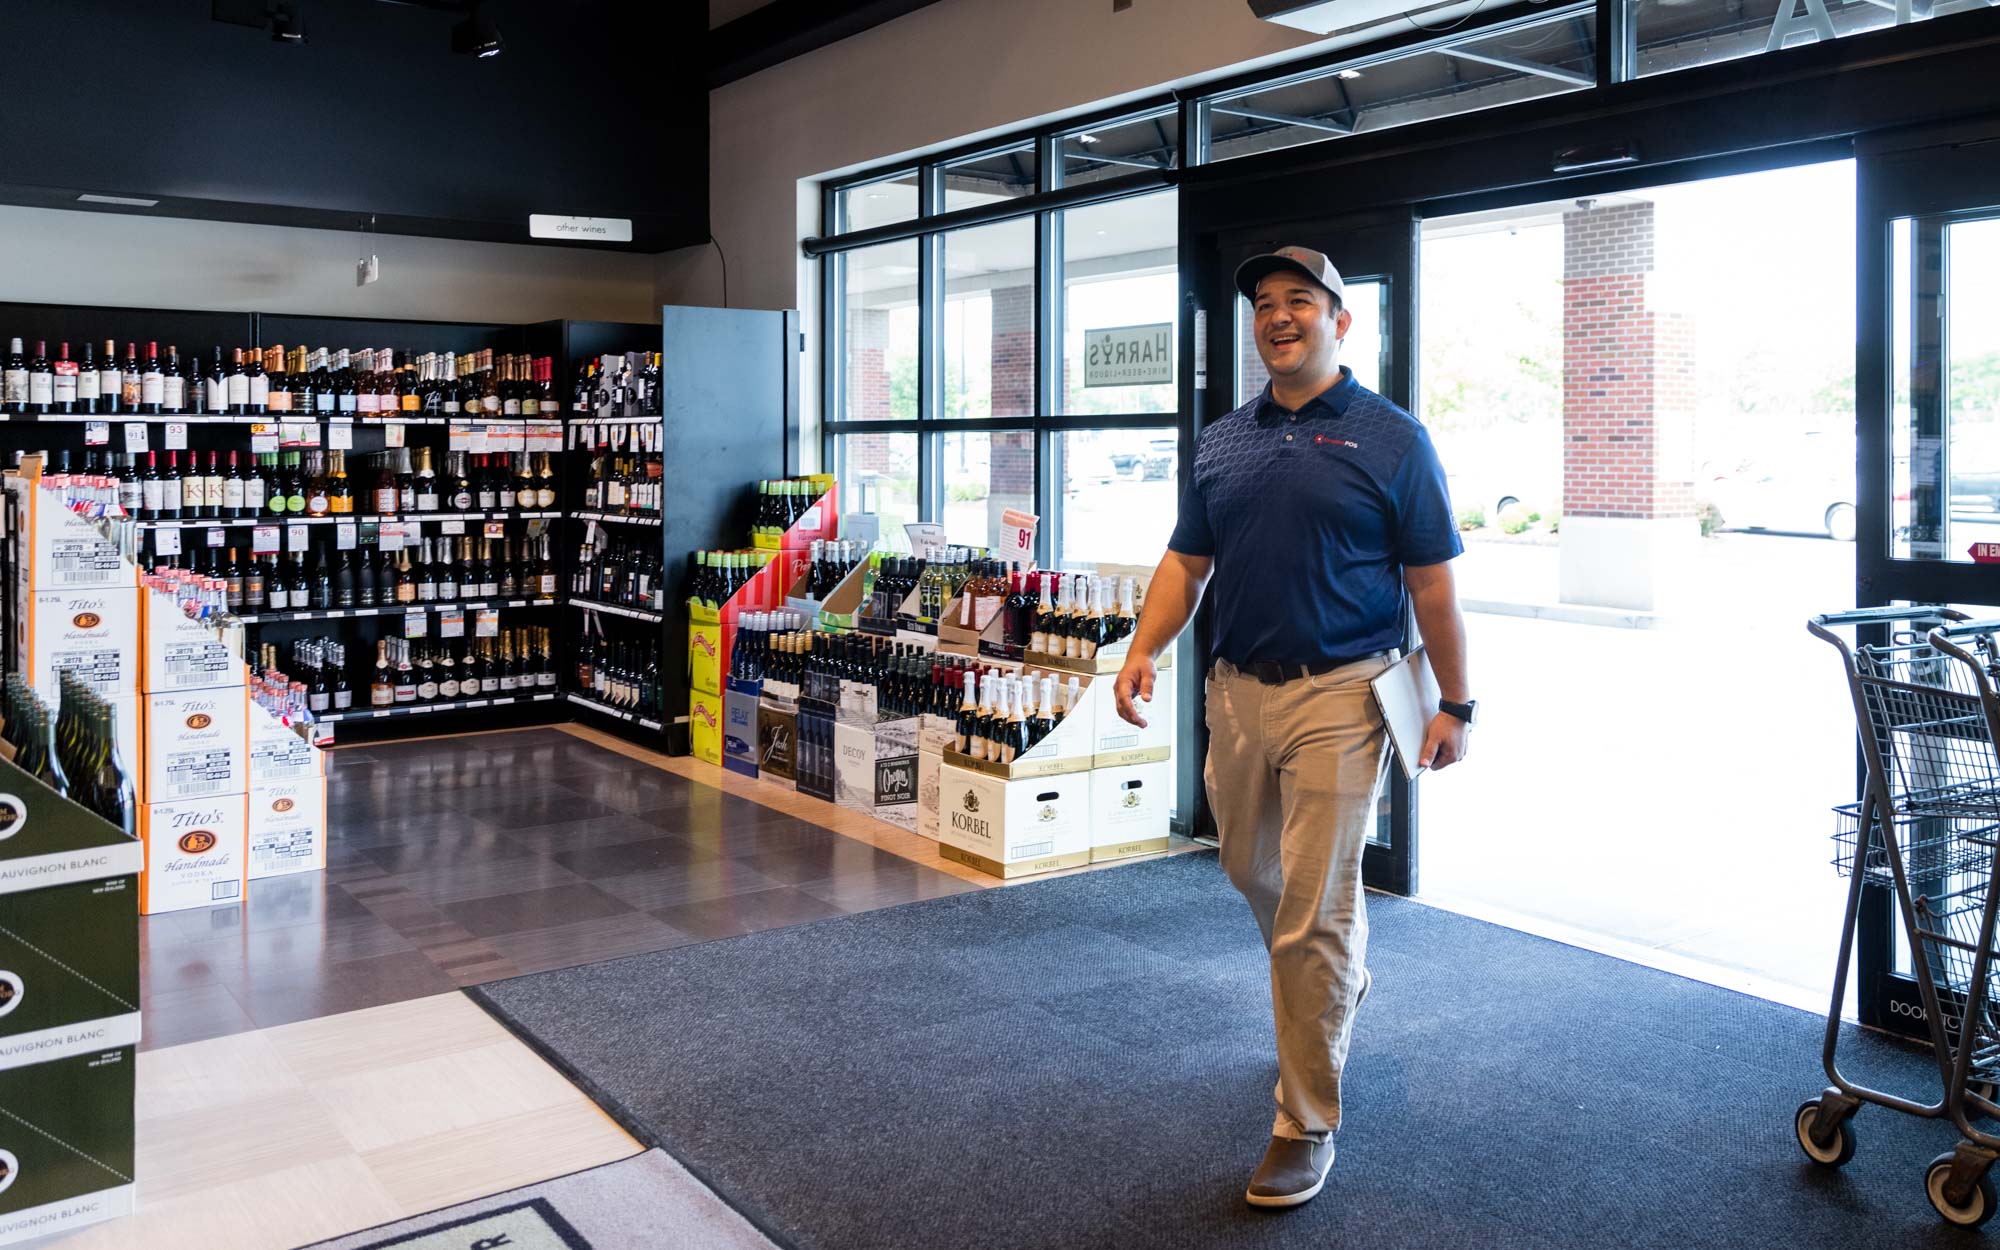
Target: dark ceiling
594	108
776	32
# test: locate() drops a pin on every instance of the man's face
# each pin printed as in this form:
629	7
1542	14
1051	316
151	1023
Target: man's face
1297	329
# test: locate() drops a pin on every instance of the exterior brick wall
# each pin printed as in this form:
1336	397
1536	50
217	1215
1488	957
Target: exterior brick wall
1013	390
1628	374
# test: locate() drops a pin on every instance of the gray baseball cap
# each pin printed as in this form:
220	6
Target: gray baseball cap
1312	264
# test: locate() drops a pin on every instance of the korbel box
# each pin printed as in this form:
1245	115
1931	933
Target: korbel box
1014	828
1131	810
197	745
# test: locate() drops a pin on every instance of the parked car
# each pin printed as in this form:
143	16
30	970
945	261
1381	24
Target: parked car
1805	486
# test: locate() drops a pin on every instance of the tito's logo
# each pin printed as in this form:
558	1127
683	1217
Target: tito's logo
86	620
200	720
283	805
197	841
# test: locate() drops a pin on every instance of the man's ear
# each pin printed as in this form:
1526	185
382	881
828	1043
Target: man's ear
1341	321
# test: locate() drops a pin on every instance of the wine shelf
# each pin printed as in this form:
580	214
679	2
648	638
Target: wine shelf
269	418
617	518
368	518
617	609
620	713
398	609
456	705
574	419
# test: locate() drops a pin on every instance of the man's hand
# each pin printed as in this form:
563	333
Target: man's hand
1135	680
1444	741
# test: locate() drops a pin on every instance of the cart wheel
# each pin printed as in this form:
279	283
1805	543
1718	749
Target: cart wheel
1979	1204
1836	1150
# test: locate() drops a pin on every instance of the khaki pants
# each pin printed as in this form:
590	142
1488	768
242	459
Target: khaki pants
1293	774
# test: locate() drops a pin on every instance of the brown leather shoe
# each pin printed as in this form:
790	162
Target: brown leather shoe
1291	1173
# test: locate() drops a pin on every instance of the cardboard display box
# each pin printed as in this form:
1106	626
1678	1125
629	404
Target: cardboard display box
197	745
278	753
69	969
286	827
739	727
93	633
196	853
1130	810
896	772
814	755
1067	749
182	654
66	1156
69	553
934	735
854	749
1014	828
709	645
1117	741
777	740
705	726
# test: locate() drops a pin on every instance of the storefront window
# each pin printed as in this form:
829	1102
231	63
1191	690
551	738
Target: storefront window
1119	495
1680	34
983	476
988	328
879	330
982	180
878	474
883	202
1549	57
1121	305
1151	142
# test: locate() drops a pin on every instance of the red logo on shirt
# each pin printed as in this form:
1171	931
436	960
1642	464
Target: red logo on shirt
1329	440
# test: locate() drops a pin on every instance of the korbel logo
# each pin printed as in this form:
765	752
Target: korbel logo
971	801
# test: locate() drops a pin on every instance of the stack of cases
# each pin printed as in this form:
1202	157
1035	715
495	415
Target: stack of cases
69	1011
194	780
711	637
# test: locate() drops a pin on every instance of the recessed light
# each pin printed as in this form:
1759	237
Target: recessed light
1086	138
127	200
872	195
1349	73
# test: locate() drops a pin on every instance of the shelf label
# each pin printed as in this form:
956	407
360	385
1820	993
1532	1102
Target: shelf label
451	527
389	537
459	438
264	540
177	436
263	444
1017	537
135	436
296	537
416	624
167	541
537	528
392	434
343	535
926	539
216	538
486	623
451	623
339	435
96	433
496	529
299	433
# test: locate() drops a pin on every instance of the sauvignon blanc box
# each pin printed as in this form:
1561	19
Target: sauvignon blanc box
66	1156
69	969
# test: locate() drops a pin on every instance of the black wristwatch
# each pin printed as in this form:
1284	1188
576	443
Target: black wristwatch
1467	711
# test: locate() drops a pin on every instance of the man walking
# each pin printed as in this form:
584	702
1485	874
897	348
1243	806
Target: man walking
1313	509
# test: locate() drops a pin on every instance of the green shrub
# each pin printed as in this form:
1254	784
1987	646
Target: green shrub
1710	517
1514	525
967	492
1472	518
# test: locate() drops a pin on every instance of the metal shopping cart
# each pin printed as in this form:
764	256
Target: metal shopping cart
1927	828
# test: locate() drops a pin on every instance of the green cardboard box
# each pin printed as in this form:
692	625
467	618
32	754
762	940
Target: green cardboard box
65	1143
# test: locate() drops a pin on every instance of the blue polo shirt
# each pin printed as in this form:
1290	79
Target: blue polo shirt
1311	516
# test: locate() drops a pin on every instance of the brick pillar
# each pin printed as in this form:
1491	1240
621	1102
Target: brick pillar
1013	391
1012	472
1628	416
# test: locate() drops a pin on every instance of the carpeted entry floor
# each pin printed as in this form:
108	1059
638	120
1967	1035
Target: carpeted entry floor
1087	1062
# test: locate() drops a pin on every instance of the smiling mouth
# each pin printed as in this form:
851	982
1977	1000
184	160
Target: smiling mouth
1284	340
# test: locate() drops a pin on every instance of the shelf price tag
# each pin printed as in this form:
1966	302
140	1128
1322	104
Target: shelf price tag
451	623
296	537
264	540
451	527
177	436
215	538
389	537
340	435
496	529
299	433
392	434
344	535
167	541
264	443
538	528
1017	537
486	623
96	433
459	438
416	624
135	436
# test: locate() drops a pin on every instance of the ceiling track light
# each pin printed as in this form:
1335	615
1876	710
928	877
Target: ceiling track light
475	35
282	18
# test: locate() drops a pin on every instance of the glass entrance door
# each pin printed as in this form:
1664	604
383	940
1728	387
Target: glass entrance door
1928	404
1376	257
